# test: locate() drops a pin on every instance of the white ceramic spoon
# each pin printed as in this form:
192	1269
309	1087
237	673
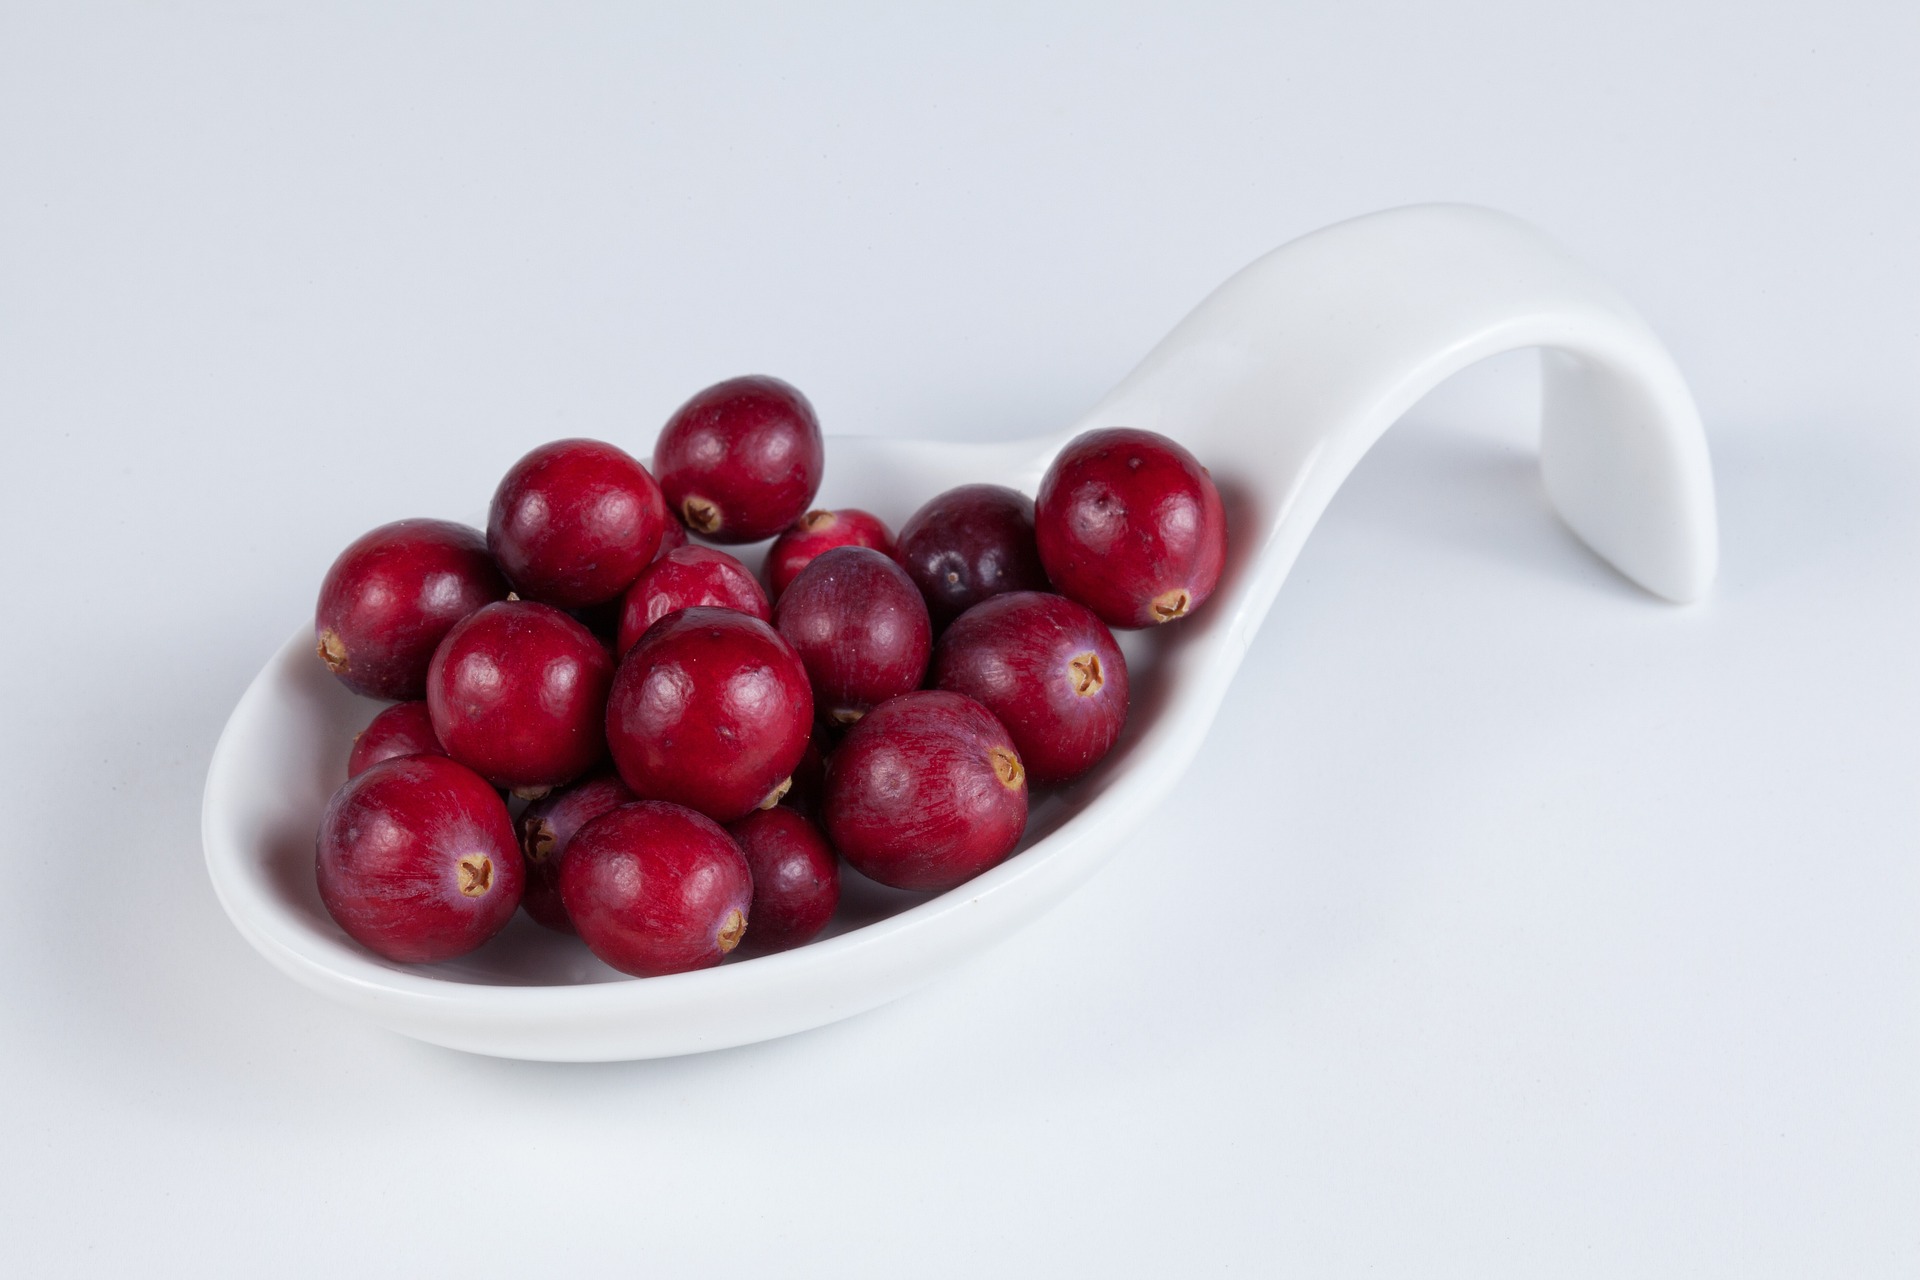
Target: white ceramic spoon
1279	382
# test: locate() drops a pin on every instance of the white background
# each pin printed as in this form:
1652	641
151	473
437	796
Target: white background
1510	924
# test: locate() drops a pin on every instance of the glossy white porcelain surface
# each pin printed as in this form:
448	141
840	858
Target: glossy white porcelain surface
1280	381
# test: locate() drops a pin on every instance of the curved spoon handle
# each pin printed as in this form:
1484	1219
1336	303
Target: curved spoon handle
1287	374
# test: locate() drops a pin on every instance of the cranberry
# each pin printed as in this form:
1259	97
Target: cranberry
710	709
859	624
517	691
403	729
1049	671
926	792
819	531
689	576
796	877
1130	525
968	544
655	888
741	460
574	522
392	595
547	828
416	859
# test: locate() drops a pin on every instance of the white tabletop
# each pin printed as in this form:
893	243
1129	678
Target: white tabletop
1510	924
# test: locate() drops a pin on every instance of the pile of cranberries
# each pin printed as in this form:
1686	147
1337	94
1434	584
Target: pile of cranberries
630	736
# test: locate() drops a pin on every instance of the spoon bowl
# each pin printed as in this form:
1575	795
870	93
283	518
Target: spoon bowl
1280	381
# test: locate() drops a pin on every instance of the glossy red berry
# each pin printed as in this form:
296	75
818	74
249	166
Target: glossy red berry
926	792
741	460
968	544
392	595
859	624
1050	672
403	729
416	859
819	531
546	830
574	522
684	578
796	877
517	692
655	889
710	709
1130	525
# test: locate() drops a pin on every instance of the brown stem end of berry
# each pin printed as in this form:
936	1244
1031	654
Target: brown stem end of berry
1007	768
332	652
701	516
476	874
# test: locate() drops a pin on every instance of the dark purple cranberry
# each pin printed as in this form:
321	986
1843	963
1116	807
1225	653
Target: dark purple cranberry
392	595
517	692
926	792
741	460
403	729
602	619
968	544
547	827
810	775
416	859
796	877
655	889
684	578
819	531
710	709
674	535
1130	525
574	522
1049	671
859	624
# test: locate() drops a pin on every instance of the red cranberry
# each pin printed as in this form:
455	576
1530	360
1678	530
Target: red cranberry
403	729
796	877
687	577
1130	525
710	709
655	888
926	792
819	531
968	544
859	624
392	595
548	826
416	859
741	460
1049	671
574	522
517	691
